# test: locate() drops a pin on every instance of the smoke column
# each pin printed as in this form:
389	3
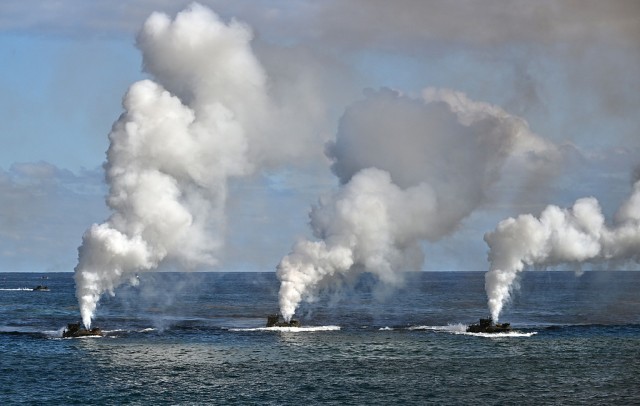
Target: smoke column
172	151
410	169
559	236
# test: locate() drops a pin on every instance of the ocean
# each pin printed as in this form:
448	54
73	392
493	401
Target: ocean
198	338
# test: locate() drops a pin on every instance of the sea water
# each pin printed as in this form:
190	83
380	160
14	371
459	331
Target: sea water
200	339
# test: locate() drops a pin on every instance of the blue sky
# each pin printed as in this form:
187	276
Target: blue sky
568	68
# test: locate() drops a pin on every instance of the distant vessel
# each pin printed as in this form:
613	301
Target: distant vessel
275	320
41	288
74	330
488	326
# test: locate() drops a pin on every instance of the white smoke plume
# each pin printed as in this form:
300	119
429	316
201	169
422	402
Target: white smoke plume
172	151
559	236
410	170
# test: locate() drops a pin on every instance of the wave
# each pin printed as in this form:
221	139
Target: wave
450	328
290	329
147	330
19	330
31	332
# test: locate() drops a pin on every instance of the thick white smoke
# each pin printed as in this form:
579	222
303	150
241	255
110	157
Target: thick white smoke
410	170
173	150
559	236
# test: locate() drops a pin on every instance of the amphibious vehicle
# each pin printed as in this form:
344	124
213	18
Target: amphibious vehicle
274	320
74	330
488	326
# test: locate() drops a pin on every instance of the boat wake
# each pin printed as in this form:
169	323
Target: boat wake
15	289
34	332
462	329
290	329
450	328
502	335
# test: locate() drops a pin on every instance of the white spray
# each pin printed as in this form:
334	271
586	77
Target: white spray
559	236
173	150
410	170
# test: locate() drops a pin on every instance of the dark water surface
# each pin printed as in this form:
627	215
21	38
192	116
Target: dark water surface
197	339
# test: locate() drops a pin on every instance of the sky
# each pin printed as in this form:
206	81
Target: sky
565	71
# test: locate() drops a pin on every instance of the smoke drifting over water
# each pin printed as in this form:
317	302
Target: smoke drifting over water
560	236
410	170
180	139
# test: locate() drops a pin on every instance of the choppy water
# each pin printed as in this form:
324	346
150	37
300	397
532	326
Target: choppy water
199	339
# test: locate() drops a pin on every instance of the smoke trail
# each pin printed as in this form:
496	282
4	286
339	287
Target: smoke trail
559	236
173	149
410	170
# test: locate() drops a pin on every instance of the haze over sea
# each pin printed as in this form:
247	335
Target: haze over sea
198	339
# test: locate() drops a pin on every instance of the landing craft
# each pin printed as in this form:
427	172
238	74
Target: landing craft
74	330
488	326
274	320
41	288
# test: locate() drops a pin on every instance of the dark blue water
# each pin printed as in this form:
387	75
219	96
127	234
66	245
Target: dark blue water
193	339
